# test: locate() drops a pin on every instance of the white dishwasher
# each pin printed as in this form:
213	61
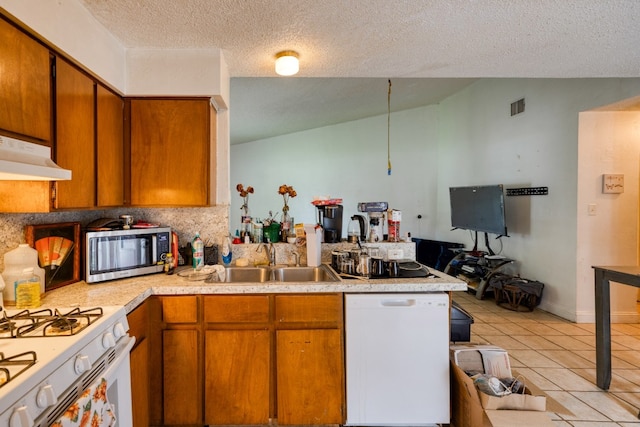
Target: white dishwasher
397	348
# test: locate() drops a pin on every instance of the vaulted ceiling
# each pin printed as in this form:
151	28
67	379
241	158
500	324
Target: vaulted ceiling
350	48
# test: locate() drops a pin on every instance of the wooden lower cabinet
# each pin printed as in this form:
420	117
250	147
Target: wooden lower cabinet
309	359
181	377
140	384
175	361
247	360
237	374
310	377
139	360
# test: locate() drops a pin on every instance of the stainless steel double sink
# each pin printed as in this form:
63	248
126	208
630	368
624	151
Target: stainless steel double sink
278	273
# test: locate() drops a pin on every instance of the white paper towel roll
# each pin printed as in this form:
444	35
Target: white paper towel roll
314	244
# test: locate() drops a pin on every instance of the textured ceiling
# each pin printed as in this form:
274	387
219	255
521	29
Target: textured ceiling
380	39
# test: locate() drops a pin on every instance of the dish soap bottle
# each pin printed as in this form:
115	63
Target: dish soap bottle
197	246
27	289
227	255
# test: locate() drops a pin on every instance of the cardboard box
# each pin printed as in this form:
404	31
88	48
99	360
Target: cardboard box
467	408
472	408
488	359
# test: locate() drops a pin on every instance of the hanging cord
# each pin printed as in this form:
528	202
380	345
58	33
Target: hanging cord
388	129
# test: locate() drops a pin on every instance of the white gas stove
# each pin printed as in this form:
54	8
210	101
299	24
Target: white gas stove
50	356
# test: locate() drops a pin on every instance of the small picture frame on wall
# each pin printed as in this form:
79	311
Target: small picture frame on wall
613	183
58	247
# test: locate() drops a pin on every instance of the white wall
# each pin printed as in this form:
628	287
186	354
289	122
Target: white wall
537	148
468	139
347	161
609	143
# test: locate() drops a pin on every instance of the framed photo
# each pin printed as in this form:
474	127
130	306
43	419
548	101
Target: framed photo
58	247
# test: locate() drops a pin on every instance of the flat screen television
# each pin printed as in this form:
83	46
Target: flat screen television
478	208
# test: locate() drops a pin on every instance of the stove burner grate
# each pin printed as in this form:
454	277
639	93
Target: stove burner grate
62	324
47	323
7	325
22	361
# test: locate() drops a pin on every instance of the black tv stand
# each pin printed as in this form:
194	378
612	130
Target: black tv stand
476	268
486	244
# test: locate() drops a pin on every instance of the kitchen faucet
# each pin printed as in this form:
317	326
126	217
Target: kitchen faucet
271	251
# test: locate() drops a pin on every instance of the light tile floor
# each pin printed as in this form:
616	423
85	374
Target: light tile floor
559	357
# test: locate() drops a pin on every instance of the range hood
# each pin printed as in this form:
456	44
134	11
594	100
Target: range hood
26	161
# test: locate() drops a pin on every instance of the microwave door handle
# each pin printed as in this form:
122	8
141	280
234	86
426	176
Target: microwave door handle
154	249
141	252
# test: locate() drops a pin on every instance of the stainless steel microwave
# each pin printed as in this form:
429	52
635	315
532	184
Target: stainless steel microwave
116	254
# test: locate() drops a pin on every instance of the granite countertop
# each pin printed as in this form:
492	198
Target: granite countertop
133	291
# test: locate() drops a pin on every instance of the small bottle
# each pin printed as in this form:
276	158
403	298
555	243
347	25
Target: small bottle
168	264
257	231
27	289
197	246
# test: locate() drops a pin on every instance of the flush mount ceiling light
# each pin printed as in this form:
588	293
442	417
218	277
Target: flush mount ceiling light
287	63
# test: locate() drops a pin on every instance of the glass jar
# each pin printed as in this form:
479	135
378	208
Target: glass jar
257	232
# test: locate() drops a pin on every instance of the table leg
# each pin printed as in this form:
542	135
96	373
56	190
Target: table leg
603	330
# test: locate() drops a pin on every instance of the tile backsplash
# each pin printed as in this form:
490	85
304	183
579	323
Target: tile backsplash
211	222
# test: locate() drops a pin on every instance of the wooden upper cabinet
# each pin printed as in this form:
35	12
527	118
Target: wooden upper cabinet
171	147
75	138
110	148
25	84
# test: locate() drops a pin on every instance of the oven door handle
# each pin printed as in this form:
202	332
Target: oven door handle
130	341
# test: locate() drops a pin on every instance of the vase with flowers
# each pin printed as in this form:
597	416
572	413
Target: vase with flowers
245	227
286	191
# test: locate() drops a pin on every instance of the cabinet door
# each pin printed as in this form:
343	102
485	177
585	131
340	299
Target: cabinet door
181	376
310	376
75	144
237	366
170	149
25	196
309	309
139	360
110	148
138	321
236	309
25	84
180	309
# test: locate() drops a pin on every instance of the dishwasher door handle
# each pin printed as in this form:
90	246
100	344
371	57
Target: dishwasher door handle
398	302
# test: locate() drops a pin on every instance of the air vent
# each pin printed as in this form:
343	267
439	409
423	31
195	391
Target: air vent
517	107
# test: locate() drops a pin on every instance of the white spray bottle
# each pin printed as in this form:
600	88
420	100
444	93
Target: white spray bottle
227	255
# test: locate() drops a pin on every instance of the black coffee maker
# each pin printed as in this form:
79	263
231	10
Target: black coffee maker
330	217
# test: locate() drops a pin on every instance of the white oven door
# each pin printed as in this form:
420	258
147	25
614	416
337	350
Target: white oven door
116	377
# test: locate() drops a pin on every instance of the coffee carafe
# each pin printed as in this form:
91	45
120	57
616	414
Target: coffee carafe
376	212
357	230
